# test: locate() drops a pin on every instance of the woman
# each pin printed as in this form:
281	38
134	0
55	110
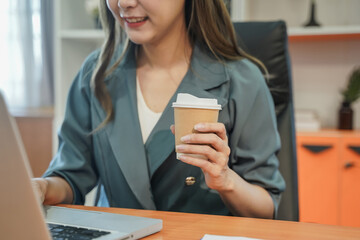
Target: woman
116	129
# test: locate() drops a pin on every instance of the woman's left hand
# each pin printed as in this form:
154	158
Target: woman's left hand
241	197
212	143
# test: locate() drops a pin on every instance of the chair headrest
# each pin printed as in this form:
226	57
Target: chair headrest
268	42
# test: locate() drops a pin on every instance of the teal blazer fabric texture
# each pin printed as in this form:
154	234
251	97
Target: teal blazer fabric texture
133	175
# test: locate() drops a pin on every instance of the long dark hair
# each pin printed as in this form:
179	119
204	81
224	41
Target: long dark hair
208	22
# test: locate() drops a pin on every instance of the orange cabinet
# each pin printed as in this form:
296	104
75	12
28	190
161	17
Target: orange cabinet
329	177
350	181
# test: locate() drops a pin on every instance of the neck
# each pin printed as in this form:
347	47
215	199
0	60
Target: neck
174	48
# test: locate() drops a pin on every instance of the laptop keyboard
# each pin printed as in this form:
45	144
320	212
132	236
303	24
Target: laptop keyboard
62	232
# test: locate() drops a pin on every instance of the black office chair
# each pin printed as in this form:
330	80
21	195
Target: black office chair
268	41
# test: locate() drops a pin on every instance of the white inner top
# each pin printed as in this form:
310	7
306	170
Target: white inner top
147	117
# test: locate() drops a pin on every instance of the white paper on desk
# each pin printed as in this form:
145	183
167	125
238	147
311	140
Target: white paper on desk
218	237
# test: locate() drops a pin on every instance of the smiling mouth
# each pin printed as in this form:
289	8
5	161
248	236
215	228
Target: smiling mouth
135	19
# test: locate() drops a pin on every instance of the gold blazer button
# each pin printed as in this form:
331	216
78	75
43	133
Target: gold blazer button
190	181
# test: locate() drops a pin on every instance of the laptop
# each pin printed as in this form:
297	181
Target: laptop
22	216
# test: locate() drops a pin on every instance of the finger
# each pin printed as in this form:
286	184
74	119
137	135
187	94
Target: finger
205	165
217	128
172	128
37	190
202	150
207	139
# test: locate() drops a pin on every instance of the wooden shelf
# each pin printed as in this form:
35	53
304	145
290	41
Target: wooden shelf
324	33
295	33
83	34
330	132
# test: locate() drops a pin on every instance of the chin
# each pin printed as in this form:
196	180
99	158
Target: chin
137	41
140	38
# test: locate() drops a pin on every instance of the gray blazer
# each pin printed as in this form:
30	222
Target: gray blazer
133	175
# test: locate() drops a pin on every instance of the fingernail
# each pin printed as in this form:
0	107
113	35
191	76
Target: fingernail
180	147
182	157
199	126
185	138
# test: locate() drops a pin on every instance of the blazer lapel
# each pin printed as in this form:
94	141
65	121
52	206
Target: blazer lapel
124	131
204	74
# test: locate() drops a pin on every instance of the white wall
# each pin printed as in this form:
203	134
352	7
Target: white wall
320	71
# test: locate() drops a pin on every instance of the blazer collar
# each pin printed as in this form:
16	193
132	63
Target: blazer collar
138	162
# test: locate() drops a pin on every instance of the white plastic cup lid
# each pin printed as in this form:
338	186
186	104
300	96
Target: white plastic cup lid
185	100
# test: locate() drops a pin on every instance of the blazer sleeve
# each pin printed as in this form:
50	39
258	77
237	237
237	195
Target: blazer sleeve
74	159
254	138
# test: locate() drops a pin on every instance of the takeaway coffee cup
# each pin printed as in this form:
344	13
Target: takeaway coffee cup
190	110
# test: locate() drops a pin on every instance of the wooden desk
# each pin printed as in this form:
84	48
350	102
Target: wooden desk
186	226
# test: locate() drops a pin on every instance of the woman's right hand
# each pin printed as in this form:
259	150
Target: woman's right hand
40	186
53	190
